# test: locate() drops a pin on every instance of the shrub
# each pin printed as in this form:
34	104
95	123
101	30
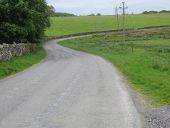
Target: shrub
23	20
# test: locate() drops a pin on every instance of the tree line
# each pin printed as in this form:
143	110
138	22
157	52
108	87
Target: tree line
98	14
53	13
151	12
23	20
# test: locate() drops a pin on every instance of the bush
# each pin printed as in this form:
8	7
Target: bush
23	20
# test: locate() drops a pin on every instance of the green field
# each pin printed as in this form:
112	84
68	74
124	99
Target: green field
20	63
144	59
71	25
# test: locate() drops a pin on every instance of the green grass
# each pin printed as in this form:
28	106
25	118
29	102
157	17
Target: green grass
144	59
20	63
71	25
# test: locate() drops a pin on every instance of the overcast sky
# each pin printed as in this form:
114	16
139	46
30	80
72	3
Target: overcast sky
85	7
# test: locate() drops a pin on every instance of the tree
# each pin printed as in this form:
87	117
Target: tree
39	19
51	10
92	14
145	12
12	20
164	11
98	14
23	20
149	12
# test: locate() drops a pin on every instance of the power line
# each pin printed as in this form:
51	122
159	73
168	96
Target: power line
117	16
124	13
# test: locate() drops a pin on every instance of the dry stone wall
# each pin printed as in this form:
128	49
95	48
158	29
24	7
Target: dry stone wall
9	51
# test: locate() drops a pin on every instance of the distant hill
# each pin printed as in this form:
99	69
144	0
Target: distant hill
52	12
62	14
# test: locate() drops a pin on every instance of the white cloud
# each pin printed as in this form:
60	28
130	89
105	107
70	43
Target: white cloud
107	6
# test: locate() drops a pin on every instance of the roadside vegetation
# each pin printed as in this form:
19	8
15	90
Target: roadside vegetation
20	63
71	25
22	21
144	59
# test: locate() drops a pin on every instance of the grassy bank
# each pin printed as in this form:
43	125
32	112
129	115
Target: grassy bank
20	63
144	59
71	25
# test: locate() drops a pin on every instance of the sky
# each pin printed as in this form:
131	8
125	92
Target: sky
107	7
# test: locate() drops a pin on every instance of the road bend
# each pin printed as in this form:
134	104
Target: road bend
69	89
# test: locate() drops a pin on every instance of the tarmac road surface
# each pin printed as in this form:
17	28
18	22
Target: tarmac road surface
69	89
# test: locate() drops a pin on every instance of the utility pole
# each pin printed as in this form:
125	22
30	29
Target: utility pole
117	16
124	13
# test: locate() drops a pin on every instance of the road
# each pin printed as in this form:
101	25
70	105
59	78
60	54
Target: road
69	89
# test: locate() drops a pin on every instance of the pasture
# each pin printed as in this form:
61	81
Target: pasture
71	25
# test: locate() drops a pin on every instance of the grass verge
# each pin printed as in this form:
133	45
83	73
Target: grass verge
18	64
144	59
